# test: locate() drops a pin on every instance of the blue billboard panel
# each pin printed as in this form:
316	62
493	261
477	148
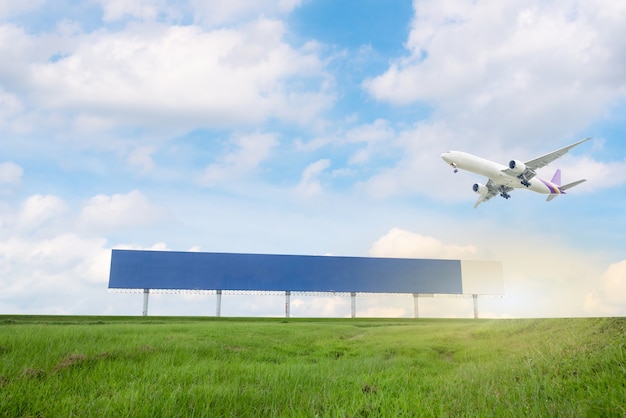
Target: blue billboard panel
172	270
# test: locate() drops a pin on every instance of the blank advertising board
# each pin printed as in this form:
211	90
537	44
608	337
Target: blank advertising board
172	270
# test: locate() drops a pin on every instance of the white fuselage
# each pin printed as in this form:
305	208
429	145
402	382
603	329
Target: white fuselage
496	172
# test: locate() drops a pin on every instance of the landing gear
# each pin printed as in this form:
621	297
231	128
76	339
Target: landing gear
456	170
524	181
505	195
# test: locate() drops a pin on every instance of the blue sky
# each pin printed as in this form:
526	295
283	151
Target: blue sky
309	127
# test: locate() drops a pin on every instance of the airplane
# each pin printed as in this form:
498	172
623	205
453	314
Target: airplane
517	175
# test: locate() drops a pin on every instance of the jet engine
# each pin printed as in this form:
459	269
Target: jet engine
517	166
481	189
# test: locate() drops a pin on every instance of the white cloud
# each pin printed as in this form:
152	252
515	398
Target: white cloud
419	166
63	274
314	144
600	175
494	67
104	213
10	173
38	210
20	49
90	124
610	297
10	106
43	270
11	8
55	262
371	139
404	244
309	183
220	12
141	157
250	151
141	9
208	13
184	76
375	136
379	131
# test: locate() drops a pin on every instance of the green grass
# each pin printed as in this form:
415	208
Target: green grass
221	367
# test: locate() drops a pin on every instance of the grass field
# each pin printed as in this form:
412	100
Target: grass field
218	367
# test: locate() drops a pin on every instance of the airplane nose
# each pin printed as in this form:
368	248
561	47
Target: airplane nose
445	156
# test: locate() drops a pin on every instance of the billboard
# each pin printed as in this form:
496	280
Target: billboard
173	270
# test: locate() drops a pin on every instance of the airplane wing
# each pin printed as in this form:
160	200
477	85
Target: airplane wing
548	158
543	161
493	190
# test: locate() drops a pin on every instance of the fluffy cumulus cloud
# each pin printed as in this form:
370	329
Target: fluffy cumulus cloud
185	76
63	274
553	63
44	265
156	75
49	263
44	262
104	213
38	210
600	175
405	244
610	297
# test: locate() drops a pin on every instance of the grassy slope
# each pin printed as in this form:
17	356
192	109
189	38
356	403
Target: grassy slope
95	366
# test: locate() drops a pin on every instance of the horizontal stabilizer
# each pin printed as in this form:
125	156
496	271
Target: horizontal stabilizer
564	188
570	185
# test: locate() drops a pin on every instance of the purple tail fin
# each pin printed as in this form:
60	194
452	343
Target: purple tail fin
556	179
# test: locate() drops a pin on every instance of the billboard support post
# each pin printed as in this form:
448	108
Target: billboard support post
218	308
353	304
146	294
475	297
287	304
